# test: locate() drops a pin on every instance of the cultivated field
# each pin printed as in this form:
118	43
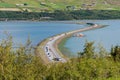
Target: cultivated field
51	5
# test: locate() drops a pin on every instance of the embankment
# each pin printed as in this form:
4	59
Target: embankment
53	45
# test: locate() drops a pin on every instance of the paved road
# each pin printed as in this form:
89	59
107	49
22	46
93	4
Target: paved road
50	50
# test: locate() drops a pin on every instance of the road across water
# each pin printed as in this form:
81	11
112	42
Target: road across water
50	50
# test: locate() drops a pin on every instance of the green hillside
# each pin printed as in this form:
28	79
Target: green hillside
51	5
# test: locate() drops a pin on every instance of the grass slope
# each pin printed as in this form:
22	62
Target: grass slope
51	5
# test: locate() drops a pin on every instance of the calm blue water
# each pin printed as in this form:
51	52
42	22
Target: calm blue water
37	31
107	36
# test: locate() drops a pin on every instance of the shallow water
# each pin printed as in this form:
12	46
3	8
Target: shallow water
37	31
107	36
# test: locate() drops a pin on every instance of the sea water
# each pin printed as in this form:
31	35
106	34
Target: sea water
107	37
36	31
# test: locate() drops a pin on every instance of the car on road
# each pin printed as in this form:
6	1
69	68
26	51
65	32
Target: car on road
48	53
57	59
47	49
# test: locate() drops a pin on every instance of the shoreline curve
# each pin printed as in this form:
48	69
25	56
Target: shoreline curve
48	50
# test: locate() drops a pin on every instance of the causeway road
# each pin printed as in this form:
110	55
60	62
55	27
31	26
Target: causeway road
50	50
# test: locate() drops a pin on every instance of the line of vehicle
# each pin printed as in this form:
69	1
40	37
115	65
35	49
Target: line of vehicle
50	49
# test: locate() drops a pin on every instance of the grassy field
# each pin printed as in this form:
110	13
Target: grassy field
51	5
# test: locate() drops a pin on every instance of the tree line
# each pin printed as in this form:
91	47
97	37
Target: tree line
22	64
60	15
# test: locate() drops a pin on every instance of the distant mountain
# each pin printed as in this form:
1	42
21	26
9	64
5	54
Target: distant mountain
51	5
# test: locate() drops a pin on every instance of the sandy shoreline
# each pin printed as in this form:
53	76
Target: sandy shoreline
51	45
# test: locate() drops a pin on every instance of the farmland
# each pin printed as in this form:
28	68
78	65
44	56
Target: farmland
46	5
